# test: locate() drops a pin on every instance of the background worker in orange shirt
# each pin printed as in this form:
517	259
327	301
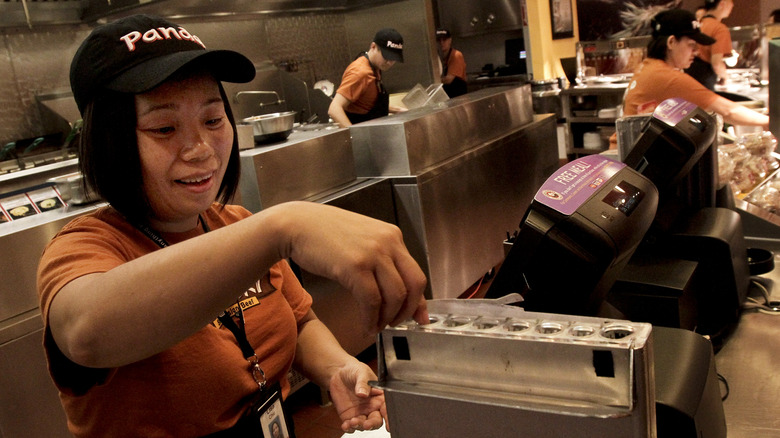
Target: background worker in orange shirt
709	67
453	74
361	95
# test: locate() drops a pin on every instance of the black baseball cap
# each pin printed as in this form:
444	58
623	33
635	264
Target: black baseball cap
679	22
443	34
137	53
391	43
711	4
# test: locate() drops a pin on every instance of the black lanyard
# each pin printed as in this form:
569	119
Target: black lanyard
239	331
380	87
249	353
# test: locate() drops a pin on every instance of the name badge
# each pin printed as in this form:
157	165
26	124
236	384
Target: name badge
268	411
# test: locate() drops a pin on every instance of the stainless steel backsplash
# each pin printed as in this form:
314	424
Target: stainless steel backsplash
310	47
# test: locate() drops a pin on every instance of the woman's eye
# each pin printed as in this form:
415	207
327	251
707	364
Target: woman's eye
164	130
214	122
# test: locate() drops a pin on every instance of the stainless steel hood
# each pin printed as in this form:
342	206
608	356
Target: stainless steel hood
31	13
219	8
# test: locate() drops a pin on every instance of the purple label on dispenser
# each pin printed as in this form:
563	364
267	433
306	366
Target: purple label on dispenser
673	111
573	184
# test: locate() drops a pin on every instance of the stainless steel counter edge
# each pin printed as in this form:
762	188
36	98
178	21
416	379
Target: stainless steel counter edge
405	143
69	212
28	236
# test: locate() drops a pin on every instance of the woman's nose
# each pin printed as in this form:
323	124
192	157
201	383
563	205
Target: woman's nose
197	148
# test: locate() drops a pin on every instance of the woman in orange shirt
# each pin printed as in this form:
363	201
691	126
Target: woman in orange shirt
169	312
660	76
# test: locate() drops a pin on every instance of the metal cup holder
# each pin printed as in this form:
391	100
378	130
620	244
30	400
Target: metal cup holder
571	330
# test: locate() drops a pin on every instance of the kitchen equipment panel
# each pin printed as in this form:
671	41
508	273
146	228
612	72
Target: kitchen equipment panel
409	142
306	164
500	369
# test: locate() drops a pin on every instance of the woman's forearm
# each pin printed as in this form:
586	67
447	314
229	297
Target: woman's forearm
319	355
737	114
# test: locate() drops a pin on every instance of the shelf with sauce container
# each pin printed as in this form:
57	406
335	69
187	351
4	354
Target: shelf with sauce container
588	109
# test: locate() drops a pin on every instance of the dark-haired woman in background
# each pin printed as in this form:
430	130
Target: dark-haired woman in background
660	76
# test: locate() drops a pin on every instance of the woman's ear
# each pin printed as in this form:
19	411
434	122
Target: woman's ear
670	40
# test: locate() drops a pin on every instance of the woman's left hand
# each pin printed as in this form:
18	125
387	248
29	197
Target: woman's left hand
359	406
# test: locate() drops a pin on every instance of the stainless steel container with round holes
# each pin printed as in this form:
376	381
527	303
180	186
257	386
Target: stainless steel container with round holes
498	370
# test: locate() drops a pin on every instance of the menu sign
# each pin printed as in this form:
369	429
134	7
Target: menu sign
18	206
22	205
46	199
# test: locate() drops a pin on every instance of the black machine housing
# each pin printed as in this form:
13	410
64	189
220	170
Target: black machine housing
691	270
597	257
577	234
672	141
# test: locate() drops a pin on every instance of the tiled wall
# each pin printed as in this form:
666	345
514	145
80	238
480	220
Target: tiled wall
38	60
32	62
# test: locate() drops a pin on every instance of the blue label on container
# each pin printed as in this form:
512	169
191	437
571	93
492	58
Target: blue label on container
573	184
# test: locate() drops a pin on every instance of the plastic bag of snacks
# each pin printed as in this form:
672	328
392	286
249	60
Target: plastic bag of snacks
728	156
767	196
748	161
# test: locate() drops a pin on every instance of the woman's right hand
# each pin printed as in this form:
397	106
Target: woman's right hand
365	255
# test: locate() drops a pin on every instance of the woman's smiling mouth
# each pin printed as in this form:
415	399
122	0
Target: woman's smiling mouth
196	181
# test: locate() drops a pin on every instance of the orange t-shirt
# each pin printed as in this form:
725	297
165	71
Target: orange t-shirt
197	387
716	29
359	86
655	81
456	64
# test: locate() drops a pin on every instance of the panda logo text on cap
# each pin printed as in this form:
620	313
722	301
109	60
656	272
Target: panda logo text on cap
391	43
442	34
137	53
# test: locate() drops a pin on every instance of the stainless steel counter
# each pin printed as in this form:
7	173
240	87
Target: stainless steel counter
409	142
308	163
24	179
456	215
463	174
24	240
749	361
29	405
